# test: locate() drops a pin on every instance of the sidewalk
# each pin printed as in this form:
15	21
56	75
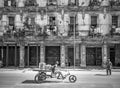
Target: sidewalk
90	68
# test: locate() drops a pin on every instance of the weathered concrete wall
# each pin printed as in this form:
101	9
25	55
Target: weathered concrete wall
104	2
41	20
20	3
117	54
42	3
84	2
18	22
4	20
84	22
62	22
22	53
62	55
104	22
62	2
1	3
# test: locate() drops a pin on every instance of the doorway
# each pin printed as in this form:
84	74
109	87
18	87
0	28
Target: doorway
94	56
32	55
70	56
112	55
52	54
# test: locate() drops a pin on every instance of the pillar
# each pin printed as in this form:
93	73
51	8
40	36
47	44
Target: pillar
15	55
104	55
42	53
7	53
117	55
28	52
62	55
77	55
83	56
22	52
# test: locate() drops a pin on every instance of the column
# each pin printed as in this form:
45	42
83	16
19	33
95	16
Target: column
117	55
42	53
37	54
28	50
22	52
62	55
83	56
7	56
104	55
77	55
15	55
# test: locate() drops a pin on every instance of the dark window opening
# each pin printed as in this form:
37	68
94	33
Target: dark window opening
52	2
72	25
31	3
52	20
94	3
10	3
115	21
11	23
72	2
94	21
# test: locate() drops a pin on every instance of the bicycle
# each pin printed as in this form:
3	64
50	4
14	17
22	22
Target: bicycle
42	75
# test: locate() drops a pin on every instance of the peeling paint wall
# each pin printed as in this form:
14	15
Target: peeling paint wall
117	54
104	23
1	3
4	20
20	3
104	2
83	24
18	22
62	22
42	3
62	2
84	2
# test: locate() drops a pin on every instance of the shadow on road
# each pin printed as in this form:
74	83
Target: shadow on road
33	82
100	75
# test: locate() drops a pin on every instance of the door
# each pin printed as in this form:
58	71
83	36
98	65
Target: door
93	56
112	55
70	56
52	54
33	56
11	56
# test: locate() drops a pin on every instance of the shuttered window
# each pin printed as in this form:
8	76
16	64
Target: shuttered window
11	21
94	21
115	21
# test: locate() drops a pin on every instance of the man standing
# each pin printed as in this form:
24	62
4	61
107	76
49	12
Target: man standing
108	67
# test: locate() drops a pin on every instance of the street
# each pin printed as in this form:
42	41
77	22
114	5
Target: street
85	79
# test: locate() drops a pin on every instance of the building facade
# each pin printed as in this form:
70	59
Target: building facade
73	32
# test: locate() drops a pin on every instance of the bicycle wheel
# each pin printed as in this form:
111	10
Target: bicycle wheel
40	77
72	78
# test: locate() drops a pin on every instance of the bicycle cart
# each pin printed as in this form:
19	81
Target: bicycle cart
42	75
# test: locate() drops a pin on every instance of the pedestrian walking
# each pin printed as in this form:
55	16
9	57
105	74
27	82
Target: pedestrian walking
108	67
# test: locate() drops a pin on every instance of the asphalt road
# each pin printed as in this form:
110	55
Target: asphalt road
85	79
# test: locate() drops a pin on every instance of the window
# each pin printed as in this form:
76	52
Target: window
115	21
31	3
72	2
94	21
72	20
11	22
10	3
52	20
72	25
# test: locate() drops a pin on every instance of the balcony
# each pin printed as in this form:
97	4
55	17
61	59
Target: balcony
31	3
51	30
10	3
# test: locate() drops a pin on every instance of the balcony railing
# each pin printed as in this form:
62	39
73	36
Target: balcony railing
17	32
